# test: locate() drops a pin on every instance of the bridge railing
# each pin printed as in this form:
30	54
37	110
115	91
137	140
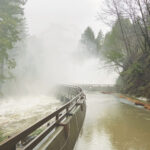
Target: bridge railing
55	118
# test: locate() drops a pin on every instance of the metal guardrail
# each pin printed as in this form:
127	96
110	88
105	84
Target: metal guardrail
57	117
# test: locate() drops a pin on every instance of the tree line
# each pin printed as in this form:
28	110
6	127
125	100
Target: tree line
11	31
127	46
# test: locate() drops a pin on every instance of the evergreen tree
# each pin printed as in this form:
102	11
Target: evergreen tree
99	40
88	41
11	22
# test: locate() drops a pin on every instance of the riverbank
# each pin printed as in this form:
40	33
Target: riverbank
135	101
139	102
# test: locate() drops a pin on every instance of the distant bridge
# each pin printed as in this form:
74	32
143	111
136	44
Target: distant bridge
98	87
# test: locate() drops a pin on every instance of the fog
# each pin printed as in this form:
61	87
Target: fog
58	25
74	14
51	54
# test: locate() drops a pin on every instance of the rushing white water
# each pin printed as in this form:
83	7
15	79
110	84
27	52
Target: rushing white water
49	56
19	113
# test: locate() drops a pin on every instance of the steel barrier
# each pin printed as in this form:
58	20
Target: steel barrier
55	118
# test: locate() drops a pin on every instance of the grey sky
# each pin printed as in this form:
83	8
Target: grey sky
64	21
77	14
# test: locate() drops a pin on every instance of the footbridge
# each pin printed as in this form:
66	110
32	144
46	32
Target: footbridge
57	131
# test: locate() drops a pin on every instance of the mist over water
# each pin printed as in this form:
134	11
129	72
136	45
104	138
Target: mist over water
51	54
57	57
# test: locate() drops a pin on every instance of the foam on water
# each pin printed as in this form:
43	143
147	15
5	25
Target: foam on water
18	113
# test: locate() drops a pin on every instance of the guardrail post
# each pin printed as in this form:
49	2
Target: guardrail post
57	116
67	108
76	100
81	105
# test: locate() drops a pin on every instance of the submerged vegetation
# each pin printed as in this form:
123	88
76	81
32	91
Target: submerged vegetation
126	47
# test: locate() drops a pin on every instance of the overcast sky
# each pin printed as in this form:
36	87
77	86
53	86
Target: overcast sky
64	21
75	14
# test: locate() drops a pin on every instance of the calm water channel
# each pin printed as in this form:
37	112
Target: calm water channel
113	124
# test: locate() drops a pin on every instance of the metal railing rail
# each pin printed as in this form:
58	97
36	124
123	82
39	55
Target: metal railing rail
58	115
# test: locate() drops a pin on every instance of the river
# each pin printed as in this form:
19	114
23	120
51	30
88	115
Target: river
112	123
18	113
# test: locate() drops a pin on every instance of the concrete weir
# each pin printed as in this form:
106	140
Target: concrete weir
67	132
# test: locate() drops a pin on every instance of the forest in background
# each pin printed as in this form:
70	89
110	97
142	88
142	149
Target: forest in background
12	31
126	47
